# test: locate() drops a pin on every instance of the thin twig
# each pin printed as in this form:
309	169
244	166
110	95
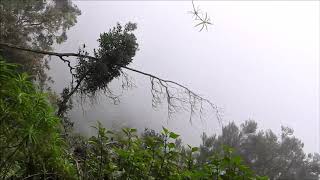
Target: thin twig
199	16
39	174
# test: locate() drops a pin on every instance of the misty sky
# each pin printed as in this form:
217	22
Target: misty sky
260	61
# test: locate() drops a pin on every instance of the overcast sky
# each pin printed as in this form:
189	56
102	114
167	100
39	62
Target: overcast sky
260	61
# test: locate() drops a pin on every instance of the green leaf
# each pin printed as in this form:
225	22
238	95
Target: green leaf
194	149
133	130
237	160
171	145
173	135
165	130
126	130
110	132
20	97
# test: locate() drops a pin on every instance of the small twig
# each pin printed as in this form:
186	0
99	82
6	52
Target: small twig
199	16
39	174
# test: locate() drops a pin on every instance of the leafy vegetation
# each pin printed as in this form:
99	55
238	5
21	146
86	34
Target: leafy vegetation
154	156
32	145
35	24
264	152
35	144
31	28
30	138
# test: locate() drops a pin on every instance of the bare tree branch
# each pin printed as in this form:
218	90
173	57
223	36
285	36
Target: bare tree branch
178	97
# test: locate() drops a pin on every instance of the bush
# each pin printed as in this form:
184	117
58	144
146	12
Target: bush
154	156
32	145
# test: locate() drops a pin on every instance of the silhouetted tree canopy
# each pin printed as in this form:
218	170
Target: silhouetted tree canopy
34	24
267	154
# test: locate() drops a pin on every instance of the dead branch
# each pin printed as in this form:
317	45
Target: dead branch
177	96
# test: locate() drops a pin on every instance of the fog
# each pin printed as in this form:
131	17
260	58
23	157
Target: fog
259	61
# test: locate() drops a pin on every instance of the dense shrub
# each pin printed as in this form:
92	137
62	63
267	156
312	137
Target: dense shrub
30	138
153	156
33	147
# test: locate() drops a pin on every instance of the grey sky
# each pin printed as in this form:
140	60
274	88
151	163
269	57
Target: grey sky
260	61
